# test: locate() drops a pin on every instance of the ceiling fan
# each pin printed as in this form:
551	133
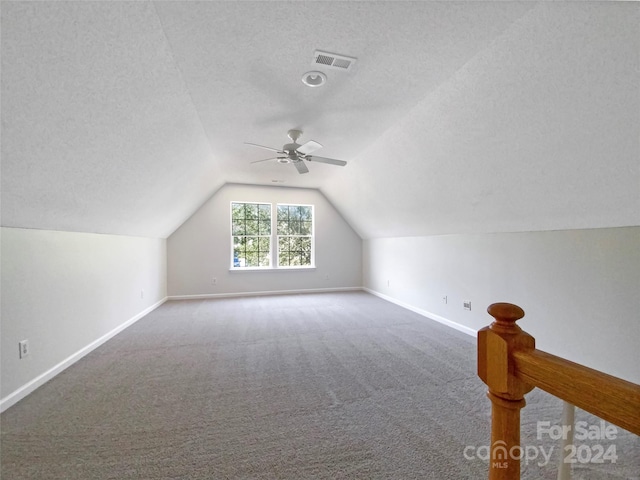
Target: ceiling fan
297	154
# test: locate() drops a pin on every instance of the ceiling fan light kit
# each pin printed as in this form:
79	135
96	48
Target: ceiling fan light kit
297	154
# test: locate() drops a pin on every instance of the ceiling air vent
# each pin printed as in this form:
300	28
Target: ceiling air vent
331	60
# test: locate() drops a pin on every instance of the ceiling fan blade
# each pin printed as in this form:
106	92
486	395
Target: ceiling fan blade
262	146
301	167
309	147
331	161
266	159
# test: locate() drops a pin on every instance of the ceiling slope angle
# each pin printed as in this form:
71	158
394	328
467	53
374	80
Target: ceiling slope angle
123	117
537	132
249	88
99	133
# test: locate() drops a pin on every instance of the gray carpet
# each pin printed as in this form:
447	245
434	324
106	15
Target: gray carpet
322	386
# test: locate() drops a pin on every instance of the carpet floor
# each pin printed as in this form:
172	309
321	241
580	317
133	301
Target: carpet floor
310	386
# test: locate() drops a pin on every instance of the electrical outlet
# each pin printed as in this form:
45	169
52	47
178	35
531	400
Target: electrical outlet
214	281
23	347
466	304
444	299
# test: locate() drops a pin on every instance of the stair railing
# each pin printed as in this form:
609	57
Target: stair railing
510	365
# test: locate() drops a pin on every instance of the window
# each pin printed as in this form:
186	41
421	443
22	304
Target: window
251	231
260	231
295	235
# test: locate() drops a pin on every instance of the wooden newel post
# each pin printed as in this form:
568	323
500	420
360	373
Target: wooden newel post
506	392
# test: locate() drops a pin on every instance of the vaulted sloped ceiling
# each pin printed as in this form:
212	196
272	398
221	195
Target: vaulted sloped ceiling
99	133
539	131
124	117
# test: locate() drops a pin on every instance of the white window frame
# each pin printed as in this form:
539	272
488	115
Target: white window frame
312	236
274	238
233	235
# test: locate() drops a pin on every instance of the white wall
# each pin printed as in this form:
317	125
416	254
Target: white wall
64	292
201	248
580	289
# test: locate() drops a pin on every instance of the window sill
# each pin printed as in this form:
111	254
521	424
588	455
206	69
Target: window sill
271	269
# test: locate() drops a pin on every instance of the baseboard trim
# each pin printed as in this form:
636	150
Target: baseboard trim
40	380
262	293
424	313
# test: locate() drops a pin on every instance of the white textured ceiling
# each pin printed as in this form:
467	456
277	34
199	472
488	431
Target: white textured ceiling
124	117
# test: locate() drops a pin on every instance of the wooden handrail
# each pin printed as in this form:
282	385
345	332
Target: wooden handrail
610	398
511	367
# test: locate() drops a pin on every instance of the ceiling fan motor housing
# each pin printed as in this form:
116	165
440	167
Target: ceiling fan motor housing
296	154
290	150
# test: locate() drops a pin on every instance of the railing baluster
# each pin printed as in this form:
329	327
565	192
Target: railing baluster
568	420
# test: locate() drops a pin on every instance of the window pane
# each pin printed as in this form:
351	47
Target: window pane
283	227
238	252
265	227
251	230
237	211
294	244
294	213
295	230
305	213
264	212
251	227
251	211
262	253
252	259
237	219
264	259
264	244
300	259
283	212
294	251
283	244
251	244
297	260
305	228
238	227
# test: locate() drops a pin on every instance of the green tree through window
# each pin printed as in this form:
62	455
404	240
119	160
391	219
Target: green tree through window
251	230
254	237
295	235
